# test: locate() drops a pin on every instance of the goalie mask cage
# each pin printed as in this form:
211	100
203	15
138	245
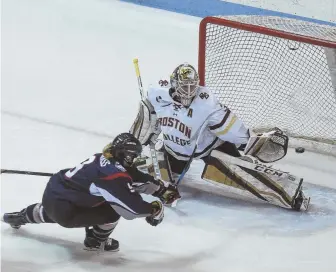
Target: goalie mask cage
273	72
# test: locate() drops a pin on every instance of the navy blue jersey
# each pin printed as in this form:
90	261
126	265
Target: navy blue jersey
97	180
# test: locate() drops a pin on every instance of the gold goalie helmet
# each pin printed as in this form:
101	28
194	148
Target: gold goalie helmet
185	80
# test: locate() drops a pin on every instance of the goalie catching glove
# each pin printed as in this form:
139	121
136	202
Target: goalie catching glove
267	147
145	127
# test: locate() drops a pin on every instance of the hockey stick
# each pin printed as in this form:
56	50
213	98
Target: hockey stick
205	123
151	145
186	168
26	172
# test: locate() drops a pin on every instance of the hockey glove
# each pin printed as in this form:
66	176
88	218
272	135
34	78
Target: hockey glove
268	147
157	214
167	193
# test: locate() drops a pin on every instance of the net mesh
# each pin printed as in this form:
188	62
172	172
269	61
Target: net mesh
274	82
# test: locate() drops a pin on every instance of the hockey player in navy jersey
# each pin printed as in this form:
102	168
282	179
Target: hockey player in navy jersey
189	116
96	193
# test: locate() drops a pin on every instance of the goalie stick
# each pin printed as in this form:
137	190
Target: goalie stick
205	123
151	145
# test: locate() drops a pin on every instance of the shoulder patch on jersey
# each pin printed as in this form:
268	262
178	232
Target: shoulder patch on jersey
163	83
204	95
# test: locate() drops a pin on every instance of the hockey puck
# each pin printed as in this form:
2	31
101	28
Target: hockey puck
299	150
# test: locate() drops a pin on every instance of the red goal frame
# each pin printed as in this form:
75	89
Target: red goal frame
252	28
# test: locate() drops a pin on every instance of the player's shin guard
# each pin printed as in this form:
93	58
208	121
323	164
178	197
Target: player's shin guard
33	214
256	181
36	214
97	238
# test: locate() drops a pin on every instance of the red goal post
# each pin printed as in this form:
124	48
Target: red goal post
273	71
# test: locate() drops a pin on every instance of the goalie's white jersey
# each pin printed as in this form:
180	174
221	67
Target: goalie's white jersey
180	126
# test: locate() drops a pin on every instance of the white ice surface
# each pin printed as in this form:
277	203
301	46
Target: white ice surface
324	10
68	87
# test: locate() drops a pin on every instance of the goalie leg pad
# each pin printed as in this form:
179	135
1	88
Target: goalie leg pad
216	171
271	184
249	179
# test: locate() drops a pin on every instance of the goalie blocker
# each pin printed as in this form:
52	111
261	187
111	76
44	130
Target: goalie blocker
145	127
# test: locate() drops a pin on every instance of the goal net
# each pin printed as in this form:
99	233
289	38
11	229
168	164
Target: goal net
273	72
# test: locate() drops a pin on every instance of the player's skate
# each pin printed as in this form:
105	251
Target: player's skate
93	244
15	219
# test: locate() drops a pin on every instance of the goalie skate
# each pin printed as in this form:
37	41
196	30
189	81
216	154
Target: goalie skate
300	201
